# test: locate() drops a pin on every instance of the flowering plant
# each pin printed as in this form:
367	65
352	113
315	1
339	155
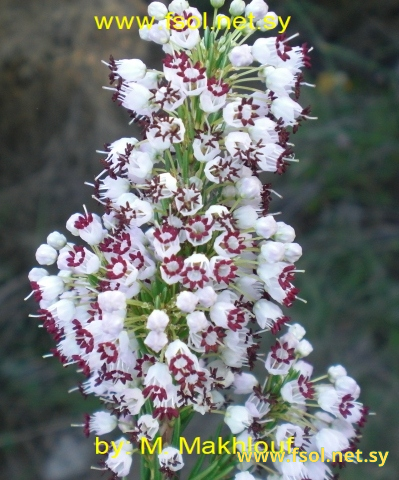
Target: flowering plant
164	308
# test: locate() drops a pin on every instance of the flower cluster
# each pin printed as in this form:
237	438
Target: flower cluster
162	301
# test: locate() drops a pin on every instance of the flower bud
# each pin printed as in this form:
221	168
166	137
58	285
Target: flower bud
304	348
336	371
178	6
292	252
157	10
241	56
266	226
229	191
197	322
156	340
258	8
272	22
46	255
157	320
237	7
144	33
206	296
272	252
249	187
245	216
217	3
112	301
244	383
237	418
222	23
36	274
56	240
297	330
285	233
186	301
171	458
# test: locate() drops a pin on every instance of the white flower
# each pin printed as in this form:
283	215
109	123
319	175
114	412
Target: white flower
187	38
158	33
139	167
178	6
244	383
244	476
144	33
280	359
261	49
130	70
136	97
46	255
210	103
171	459
164	132
289	430
303	368
188	201
280	81
237	418
264	130
112	323
50	287
347	385
102	423
241	56
287	109
121	463
147	426
136	212
88	226
113	188
78	260
267	313
331	440
204	148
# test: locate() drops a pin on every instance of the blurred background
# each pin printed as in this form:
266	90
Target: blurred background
342	199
